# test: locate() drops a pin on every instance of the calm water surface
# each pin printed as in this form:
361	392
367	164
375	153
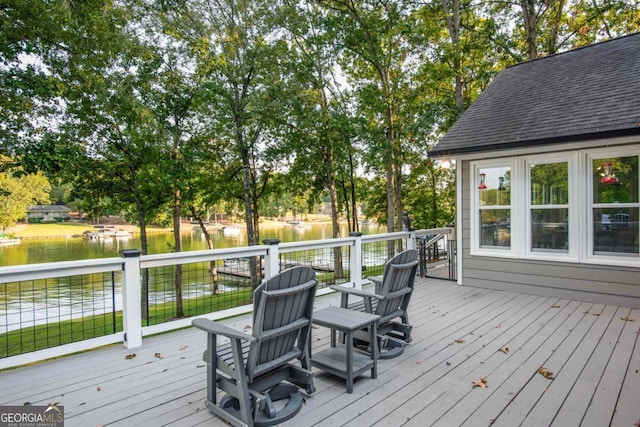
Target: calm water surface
74	248
39	301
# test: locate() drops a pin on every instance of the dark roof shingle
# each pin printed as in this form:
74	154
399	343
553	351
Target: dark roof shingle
585	93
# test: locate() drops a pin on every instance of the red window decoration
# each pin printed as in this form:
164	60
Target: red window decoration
608	177
482	185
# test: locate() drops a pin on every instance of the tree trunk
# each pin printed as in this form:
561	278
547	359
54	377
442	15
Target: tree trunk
352	184
213	269
453	25
145	273
177	238
333	196
530	19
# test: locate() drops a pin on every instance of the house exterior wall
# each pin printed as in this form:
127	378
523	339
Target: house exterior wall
588	280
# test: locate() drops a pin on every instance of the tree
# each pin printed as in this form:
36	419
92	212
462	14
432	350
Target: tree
18	191
376	57
237	51
548	27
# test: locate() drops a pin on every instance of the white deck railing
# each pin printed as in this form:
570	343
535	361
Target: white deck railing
130	267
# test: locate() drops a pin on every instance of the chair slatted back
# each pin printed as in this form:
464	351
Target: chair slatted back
397	284
283	308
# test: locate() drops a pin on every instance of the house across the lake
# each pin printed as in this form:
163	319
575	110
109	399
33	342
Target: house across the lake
48	213
548	190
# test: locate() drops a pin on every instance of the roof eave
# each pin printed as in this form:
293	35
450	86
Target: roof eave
446	152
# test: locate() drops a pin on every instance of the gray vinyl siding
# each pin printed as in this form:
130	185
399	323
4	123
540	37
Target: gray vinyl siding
586	282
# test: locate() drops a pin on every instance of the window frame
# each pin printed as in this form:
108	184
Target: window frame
501	251
618	259
571	255
581	206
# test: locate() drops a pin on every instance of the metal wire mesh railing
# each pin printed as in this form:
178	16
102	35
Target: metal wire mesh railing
204	287
331	264
43	313
376	253
82	304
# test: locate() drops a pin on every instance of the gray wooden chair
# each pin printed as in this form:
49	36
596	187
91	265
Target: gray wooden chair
252	369
390	300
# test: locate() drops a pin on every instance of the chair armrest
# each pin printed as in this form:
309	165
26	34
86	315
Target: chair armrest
356	292
377	280
218	329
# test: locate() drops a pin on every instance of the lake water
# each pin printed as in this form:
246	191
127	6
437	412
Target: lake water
37	302
73	248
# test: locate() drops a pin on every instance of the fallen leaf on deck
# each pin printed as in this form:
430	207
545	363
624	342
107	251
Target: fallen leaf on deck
482	382
459	341
596	314
130	356
555	306
246	328
183	347
628	319
505	350
26	404
200	366
546	373
159	355
98	389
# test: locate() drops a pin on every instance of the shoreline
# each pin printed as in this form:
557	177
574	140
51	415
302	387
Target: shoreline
74	230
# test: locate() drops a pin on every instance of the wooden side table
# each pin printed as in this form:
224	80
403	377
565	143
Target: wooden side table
342	360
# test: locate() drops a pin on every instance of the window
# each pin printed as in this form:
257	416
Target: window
578	206
494	207
549	207
615	205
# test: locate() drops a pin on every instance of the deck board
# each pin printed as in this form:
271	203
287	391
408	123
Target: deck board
594	354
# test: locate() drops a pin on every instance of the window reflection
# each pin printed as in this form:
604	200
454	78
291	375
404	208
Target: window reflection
549	229
549	206
497	187
495	226
615	230
616	208
550	184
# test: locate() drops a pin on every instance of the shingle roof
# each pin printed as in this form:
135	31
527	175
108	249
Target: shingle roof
585	93
48	208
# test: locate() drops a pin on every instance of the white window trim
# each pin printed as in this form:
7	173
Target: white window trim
580	207
475	169
573	231
589	256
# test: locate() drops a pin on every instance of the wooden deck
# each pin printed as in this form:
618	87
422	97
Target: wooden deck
592	350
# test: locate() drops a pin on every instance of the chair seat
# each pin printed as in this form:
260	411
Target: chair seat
270	364
389	298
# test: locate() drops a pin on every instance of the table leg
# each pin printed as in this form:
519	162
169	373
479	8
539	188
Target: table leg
374	349
350	362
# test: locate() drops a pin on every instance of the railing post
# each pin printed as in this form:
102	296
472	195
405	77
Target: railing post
132	299
355	259
272	259
411	240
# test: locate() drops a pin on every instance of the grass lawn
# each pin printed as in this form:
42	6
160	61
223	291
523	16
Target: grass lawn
67	331
49	230
65	229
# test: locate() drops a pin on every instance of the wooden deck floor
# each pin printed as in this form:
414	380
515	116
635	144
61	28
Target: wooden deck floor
593	351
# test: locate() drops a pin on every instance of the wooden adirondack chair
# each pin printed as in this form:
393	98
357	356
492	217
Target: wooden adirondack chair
252	369
390	300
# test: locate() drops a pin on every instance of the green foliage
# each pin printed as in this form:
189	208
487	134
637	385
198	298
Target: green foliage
148	107
18	191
